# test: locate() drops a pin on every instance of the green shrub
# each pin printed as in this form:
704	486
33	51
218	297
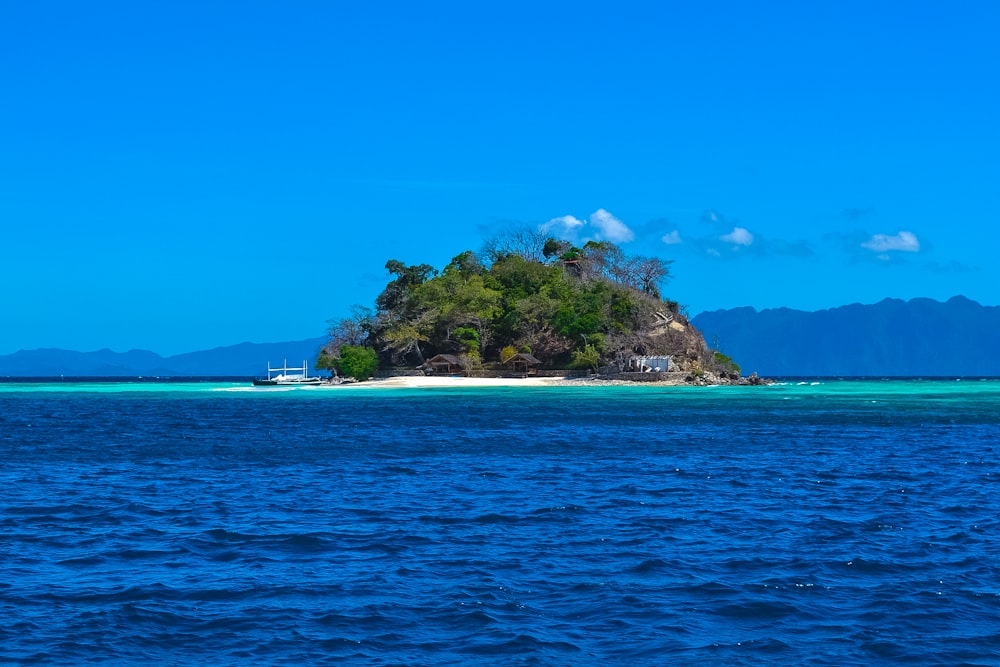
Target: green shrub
357	362
588	357
726	363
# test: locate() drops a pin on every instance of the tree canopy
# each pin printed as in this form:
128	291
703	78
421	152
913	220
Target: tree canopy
356	361
567	305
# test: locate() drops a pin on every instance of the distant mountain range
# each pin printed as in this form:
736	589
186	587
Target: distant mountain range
243	360
921	337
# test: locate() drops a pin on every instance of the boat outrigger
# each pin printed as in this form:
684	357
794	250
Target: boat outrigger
294	376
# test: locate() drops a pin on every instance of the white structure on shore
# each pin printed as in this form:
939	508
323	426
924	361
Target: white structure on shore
649	364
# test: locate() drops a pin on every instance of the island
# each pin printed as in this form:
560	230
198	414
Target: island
529	305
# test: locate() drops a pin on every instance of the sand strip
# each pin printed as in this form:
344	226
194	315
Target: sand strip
424	381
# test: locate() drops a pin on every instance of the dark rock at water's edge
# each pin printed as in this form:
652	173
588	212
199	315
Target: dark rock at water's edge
242	360
699	378
892	338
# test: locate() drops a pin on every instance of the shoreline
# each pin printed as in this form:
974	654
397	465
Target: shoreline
422	382
430	381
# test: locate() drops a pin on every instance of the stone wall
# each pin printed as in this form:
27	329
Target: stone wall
483	373
395	373
562	374
541	373
643	377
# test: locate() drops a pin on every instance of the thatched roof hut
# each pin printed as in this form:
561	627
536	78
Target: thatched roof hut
444	363
523	362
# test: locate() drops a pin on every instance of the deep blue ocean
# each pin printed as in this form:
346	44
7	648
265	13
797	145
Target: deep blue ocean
829	523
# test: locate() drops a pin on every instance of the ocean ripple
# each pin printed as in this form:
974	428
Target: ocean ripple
833	524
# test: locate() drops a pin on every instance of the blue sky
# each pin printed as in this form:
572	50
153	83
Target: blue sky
181	176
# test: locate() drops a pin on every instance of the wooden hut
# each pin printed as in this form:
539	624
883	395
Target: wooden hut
522	362
444	363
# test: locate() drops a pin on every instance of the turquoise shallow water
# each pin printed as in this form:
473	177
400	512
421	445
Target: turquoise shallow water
933	388
839	523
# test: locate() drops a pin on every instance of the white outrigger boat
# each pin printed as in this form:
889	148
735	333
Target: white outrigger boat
287	376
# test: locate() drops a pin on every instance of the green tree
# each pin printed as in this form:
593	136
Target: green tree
397	292
465	263
357	362
555	248
469	338
588	357
725	362
327	361
524	290
404	338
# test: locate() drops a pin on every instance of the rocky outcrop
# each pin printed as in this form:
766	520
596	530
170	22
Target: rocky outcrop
670	333
698	379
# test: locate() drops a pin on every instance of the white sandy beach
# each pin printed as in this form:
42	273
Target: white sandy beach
424	381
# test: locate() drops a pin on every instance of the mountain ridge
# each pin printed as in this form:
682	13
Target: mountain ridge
897	338
890	338
242	359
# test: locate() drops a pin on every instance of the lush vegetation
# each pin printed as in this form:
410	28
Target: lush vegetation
353	361
582	307
726	362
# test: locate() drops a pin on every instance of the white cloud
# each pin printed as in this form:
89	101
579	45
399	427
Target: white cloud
602	226
566	225
739	236
673	238
611	228
903	241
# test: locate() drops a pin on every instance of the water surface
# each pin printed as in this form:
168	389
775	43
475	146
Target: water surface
830	523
